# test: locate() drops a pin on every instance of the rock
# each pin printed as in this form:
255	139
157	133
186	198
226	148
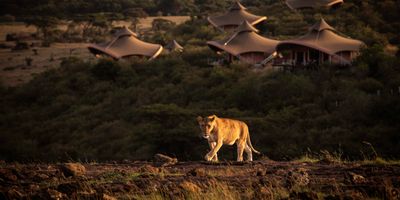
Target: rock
355	178
54	194
73	169
163	160
41	177
107	197
297	177
197	172
7	175
15	194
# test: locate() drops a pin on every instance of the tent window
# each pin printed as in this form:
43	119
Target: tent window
326	57
299	58
314	55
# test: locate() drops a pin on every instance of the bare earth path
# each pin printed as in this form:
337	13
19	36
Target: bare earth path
201	180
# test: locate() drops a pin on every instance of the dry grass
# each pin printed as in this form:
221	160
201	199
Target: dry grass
380	161
15	28
14	69
307	158
146	23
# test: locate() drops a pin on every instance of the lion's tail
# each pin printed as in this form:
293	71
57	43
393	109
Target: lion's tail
250	145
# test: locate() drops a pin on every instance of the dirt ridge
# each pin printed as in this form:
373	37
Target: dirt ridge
256	180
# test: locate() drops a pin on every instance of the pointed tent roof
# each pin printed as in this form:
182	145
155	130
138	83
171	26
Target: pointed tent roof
174	46
237	6
246	27
245	40
124	44
299	4
321	25
236	15
322	37
125	32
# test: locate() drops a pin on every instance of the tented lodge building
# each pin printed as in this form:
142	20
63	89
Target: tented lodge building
305	4
126	44
234	17
174	46
321	44
245	44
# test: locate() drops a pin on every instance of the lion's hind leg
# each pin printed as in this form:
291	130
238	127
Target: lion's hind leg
240	148
249	153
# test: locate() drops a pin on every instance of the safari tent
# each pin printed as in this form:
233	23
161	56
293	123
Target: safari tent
245	44
126	44
234	17
302	4
321	44
174	46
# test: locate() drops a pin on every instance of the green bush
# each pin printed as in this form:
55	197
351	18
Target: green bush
106	70
111	111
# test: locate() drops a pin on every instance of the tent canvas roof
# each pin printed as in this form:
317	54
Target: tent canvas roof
323	38
245	40
236	15
237	6
298	4
321	25
125	32
126	44
174	45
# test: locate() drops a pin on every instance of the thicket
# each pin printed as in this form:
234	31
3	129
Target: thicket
133	109
117	110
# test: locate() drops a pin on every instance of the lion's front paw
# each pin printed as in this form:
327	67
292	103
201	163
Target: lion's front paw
208	157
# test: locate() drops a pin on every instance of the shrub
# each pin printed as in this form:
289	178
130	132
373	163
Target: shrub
7	18
106	70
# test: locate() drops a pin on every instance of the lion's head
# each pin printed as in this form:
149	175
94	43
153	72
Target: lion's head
207	125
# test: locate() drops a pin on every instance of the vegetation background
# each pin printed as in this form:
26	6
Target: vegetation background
133	109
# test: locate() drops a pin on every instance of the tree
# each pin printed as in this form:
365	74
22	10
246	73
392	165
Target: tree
44	24
159	24
175	6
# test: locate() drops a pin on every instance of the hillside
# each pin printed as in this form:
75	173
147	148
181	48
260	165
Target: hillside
133	109
110	110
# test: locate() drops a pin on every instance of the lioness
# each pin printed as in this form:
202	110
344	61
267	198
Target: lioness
220	131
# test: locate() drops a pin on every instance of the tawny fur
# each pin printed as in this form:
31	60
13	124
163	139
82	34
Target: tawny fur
219	131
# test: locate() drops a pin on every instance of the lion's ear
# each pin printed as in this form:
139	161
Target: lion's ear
199	119
212	118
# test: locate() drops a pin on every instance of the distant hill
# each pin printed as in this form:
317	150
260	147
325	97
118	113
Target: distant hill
369	19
